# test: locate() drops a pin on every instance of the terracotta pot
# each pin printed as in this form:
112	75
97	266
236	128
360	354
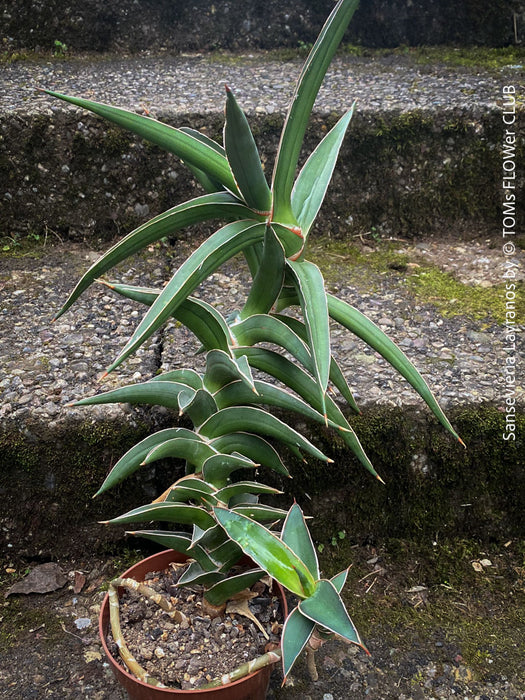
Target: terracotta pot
252	687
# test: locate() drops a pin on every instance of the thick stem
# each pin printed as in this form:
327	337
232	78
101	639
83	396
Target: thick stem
127	657
270	657
310	662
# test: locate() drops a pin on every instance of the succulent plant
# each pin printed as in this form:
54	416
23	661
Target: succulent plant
228	403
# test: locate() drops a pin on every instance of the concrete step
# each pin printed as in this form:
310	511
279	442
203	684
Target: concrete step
422	156
53	456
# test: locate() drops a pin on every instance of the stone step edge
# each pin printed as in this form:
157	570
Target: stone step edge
404	174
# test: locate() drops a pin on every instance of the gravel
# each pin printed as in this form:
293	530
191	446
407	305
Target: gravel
49	365
194	83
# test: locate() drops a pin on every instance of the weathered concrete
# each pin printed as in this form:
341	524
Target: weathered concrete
422	155
95	25
53	456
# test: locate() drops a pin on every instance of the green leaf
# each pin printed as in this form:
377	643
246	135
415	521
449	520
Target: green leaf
338	379
195	575
189	377
154	393
269	278
190	488
208	183
206	323
222	369
292	376
183	494
296	535
290	334
287	297
179	541
339	580
201	318
200	136
235	394
336	375
217	249
364	328
210	538
247	418
134	457
310	187
260	512
187	146
267	551
244	499
167	512
291	238
229	587
198	405
312	296
244	158
253	447
325	607
262	328
217	469
224	494
215	206
281	368
297	630
192	449
296	379
226	555
301	105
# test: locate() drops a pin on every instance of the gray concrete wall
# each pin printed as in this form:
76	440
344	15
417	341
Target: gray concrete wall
202	25
407	175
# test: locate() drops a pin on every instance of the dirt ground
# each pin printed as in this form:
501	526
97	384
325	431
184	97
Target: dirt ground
445	620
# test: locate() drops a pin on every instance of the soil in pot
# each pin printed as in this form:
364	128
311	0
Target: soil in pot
190	653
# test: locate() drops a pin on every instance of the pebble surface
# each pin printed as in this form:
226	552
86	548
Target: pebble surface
194	83
49	365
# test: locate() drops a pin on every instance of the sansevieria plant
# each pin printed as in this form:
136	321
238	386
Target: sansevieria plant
233	430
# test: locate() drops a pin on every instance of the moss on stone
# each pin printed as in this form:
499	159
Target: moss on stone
48	484
477	614
454	298
467	56
426	282
19	621
474	57
429	479
29	246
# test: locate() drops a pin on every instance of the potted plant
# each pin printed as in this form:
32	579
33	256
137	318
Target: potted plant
228	403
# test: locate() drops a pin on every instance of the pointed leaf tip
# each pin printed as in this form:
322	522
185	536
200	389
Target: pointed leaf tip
243	157
106	284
